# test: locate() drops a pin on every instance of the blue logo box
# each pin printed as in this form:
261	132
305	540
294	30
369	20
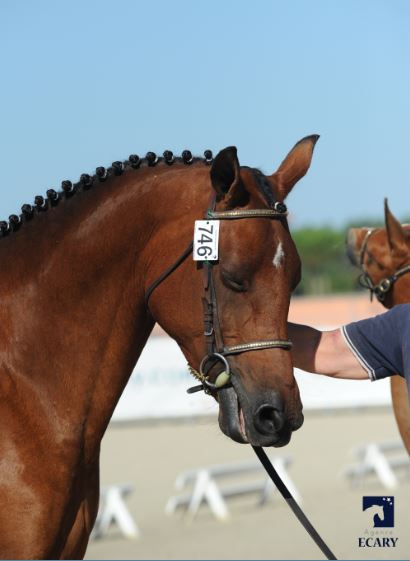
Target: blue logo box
382	509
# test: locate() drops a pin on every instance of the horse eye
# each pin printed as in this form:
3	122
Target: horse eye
233	283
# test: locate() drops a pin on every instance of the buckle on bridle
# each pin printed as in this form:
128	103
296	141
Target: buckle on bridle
382	289
384	286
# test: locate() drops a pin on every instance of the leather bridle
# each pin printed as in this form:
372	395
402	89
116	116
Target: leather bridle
216	350
386	284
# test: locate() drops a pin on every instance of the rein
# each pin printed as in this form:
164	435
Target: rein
386	284
217	351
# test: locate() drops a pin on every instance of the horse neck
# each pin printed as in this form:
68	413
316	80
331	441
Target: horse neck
401	291
73	297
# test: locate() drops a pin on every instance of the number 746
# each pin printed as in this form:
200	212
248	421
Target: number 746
204	237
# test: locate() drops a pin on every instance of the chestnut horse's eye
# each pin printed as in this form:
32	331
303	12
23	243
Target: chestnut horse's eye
234	283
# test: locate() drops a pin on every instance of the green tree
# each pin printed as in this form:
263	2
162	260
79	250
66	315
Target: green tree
325	266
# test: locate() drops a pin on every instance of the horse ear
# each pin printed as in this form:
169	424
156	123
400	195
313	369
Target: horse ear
225	176
395	233
295	165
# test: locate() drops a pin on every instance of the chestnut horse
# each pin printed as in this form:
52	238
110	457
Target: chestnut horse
383	254
76	268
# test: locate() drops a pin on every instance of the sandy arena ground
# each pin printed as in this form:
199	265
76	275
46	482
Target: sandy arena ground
150	457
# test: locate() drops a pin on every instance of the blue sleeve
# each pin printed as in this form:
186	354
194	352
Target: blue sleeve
382	343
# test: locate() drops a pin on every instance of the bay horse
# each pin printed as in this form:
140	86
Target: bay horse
86	272
383	255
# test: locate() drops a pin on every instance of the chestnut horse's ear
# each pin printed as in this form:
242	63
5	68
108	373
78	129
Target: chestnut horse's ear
225	177
295	165
395	233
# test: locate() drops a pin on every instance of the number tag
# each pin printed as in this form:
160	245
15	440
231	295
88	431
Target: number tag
206	236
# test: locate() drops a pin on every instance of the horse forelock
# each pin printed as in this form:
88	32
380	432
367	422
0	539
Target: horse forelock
265	188
87	182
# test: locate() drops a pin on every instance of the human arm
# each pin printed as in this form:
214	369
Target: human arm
324	352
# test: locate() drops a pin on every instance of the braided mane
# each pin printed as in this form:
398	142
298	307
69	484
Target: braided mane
86	181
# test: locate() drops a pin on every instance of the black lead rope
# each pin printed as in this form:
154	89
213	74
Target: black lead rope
293	505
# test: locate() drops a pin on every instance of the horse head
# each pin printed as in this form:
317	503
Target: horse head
382	254
375	513
246	308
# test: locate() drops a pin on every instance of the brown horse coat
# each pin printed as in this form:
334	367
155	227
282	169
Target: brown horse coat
73	322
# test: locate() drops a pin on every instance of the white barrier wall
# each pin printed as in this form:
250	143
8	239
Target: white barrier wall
157	388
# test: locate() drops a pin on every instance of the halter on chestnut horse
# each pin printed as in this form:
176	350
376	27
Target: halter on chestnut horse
383	255
76	268
383	286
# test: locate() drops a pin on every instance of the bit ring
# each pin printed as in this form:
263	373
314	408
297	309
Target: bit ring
205	360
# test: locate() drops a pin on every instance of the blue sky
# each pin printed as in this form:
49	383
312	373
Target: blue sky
88	82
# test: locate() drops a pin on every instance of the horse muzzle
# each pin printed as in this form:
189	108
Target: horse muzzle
260	420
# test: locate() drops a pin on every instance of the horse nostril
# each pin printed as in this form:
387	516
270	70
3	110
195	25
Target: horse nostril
268	419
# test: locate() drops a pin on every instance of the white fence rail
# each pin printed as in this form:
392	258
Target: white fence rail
215	485
114	512
379	459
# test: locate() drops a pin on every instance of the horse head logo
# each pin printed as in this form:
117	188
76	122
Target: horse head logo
379	511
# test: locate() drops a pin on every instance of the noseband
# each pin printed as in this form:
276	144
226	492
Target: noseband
385	285
216	350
